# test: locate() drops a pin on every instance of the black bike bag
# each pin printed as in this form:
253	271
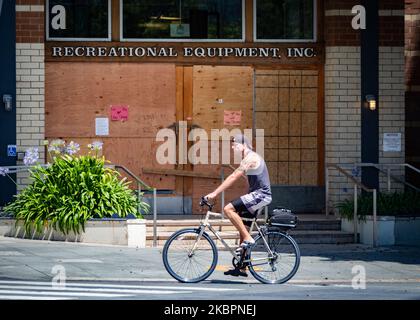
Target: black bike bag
282	217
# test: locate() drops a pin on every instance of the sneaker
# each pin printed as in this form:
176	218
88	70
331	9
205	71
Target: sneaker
246	244
236	273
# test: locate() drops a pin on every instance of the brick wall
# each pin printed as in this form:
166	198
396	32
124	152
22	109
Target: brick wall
342	85
30	70
412	80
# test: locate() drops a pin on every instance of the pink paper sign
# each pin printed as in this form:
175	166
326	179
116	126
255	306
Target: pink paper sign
119	113
232	118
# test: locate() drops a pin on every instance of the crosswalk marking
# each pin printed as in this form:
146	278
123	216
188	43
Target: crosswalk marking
44	290
11	297
106	285
10	253
67	294
68	289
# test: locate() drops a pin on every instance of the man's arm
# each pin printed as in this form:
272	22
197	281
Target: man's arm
230	180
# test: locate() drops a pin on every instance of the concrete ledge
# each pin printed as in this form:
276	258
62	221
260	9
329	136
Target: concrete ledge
391	230
130	232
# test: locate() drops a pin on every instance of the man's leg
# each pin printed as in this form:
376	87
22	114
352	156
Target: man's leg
237	222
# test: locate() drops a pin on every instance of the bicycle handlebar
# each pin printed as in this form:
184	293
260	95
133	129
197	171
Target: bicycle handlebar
204	202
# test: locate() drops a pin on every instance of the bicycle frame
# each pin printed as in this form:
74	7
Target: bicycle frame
206	224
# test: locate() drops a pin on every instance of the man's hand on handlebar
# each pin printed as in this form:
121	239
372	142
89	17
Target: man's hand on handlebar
210	196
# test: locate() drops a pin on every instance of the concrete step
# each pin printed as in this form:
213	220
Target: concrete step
301	237
226	225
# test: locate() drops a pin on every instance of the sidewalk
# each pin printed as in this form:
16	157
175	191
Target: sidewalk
320	264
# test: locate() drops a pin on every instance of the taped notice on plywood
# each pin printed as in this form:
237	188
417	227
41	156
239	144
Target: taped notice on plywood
232	118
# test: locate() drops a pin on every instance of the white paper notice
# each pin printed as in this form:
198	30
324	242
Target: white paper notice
392	142
102	126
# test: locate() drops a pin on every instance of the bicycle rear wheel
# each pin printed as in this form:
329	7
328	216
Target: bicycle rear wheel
189	259
282	265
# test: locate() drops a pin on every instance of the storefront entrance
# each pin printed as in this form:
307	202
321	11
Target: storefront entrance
285	103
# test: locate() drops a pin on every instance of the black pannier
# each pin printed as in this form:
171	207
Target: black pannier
282	217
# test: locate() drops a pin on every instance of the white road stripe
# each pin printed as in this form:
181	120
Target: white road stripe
79	261
68	289
8	297
76	294
11	253
105	285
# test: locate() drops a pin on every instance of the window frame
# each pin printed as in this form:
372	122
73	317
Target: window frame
47	24
314	22
167	40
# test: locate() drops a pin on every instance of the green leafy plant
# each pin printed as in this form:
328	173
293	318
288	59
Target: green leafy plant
388	204
72	190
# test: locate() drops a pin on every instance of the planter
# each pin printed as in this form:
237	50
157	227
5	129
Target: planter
125	232
391	230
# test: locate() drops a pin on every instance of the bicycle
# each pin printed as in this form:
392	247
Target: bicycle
190	255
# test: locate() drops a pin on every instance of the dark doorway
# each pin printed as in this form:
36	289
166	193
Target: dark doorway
7	93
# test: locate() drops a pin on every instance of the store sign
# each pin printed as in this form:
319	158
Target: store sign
196	52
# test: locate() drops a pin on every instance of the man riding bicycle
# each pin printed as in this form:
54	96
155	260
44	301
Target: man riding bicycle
259	195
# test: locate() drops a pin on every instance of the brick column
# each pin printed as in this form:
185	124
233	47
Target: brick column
412	81
30	70
343	88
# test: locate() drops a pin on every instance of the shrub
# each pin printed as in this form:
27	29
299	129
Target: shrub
388	204
72	190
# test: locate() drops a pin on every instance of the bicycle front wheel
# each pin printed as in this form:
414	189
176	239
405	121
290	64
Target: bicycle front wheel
277	266
188	257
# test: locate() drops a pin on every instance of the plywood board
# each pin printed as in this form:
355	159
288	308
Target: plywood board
295	101
284	99
283	172
309	173
310	142
80	92
309	99
295	142
309	124
295	81
283	154
283	124
266	99
294	155
271	154
309	81
295	124
266	72
309	154
284	81
132	153
267	81
283	142
271	142
273	171
294	173
267	121
216	89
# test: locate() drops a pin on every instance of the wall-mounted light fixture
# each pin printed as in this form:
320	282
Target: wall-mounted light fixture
7	100
371	101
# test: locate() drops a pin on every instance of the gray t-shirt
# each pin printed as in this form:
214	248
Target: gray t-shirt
253	165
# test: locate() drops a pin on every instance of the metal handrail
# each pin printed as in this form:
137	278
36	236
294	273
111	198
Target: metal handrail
388	172
356	185
141	182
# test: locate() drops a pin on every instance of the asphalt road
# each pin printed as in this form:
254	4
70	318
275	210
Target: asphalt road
31	269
